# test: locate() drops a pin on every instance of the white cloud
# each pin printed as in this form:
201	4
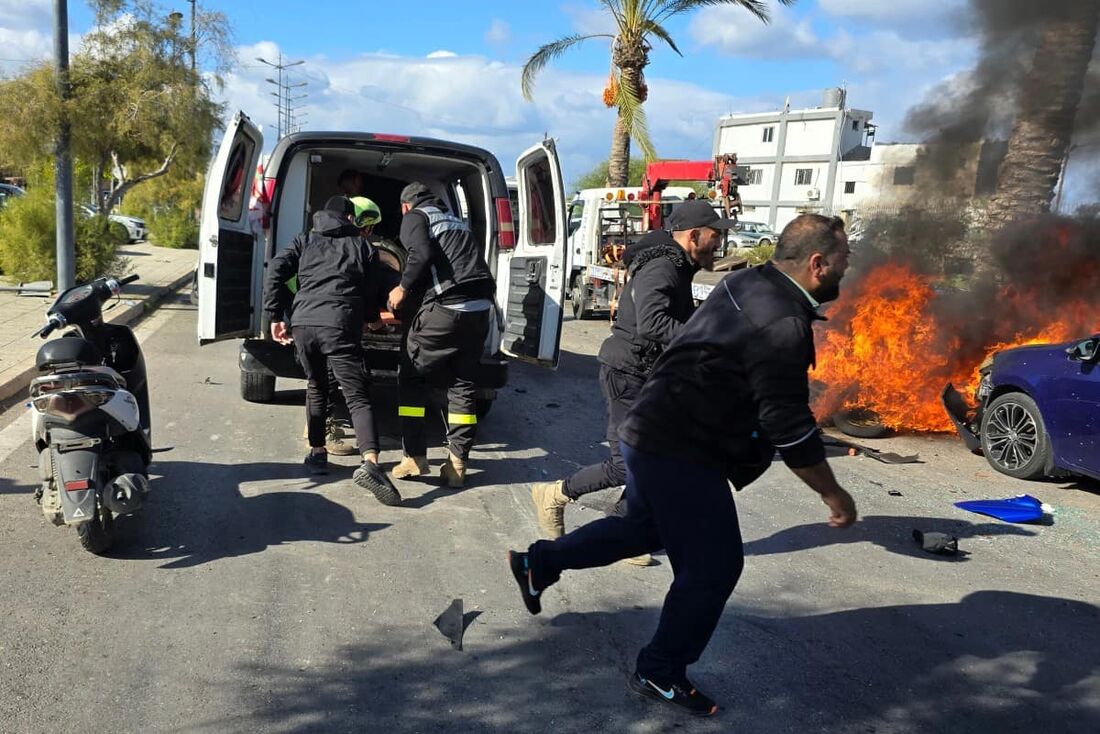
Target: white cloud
499	33
442	54
739	33
893	11
588	20
18	48
22	15
475	100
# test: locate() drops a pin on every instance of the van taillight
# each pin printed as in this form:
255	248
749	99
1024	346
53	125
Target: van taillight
506	230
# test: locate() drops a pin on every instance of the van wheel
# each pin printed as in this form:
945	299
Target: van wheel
256	387
582	309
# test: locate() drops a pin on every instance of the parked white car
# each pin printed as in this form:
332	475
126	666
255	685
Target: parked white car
135	228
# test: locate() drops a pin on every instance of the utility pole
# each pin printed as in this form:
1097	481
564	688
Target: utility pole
280	67
194	44
63	162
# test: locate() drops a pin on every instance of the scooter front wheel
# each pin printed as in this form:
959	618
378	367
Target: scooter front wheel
98	534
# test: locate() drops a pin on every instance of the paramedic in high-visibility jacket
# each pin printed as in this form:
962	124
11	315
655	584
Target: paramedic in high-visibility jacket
447	275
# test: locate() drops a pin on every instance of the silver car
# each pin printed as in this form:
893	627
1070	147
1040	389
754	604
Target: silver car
752	234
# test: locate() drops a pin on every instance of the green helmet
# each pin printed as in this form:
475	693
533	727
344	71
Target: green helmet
367	212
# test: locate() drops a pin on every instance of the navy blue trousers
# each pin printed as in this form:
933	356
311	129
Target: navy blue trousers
685	508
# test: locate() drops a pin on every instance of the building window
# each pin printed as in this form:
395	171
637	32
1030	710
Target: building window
855	124
803	176
849	187
754	177
903	176
769	134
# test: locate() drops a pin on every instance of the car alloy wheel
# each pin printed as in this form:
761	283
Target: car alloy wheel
1012	435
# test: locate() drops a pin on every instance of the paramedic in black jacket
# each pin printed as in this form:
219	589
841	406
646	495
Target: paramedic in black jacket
730	390
653	308
447	275
339	290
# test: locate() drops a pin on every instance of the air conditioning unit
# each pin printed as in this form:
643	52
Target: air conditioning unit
813	194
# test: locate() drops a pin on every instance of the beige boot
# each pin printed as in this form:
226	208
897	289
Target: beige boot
411	466
643	560
550	505
453	472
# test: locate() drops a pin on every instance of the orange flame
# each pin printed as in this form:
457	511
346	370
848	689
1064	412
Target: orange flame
888	349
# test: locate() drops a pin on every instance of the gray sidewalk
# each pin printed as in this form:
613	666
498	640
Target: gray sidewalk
162	271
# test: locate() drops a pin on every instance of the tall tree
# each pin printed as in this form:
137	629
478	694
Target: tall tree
636	23
1049	97
136	108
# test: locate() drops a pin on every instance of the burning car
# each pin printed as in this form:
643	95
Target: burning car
1038	410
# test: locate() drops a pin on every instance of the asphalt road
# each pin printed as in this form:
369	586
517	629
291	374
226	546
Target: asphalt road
250	598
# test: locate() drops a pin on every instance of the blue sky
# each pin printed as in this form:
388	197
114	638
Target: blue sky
451	69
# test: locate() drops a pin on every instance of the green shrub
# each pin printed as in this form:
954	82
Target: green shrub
760	254
168	205
28	240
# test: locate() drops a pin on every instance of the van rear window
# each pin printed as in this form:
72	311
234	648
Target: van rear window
236	182
542	227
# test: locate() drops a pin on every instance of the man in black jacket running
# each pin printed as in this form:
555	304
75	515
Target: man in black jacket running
338	291
446	273
730	390
653	308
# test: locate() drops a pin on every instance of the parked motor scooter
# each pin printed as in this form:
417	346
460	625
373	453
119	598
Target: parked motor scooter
90	417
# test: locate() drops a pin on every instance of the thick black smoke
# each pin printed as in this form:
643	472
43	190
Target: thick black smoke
981	104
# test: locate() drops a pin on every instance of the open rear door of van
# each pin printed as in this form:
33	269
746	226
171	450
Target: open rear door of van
227	248
532	294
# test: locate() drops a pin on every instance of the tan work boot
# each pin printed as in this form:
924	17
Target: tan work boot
411	466
550	502
453	472
338	441
643	560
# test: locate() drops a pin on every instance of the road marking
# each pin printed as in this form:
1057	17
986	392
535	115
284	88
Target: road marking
15	434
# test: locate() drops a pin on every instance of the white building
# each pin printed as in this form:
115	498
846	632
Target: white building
826	160
795	157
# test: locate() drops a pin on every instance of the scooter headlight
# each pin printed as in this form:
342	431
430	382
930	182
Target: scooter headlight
69	405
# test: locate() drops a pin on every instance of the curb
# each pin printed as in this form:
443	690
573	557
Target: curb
19	384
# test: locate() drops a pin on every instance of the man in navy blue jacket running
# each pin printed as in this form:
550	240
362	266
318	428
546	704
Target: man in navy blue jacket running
730	389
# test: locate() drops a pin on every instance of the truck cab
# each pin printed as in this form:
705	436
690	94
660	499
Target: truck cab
526	252
602	223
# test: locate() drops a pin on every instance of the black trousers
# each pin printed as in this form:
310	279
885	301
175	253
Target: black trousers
442	350
620	390
688	510
320	348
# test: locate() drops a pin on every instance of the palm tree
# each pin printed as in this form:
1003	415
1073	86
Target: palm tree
1049	97
637	22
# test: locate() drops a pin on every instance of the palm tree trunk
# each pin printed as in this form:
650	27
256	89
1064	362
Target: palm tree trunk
618	164
1048	103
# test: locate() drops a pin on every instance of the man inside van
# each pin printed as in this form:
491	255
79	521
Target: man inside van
446	272
350	183
338	291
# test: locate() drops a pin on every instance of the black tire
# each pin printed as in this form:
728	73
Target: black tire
764	242
582	309
859	423
1014	438
256	387
482	408
98	534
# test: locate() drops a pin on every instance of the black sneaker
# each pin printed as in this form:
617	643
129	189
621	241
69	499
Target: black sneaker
531	598
683	695
370	477
317	463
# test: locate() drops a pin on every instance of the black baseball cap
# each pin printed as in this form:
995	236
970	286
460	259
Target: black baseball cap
696	213
340	205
